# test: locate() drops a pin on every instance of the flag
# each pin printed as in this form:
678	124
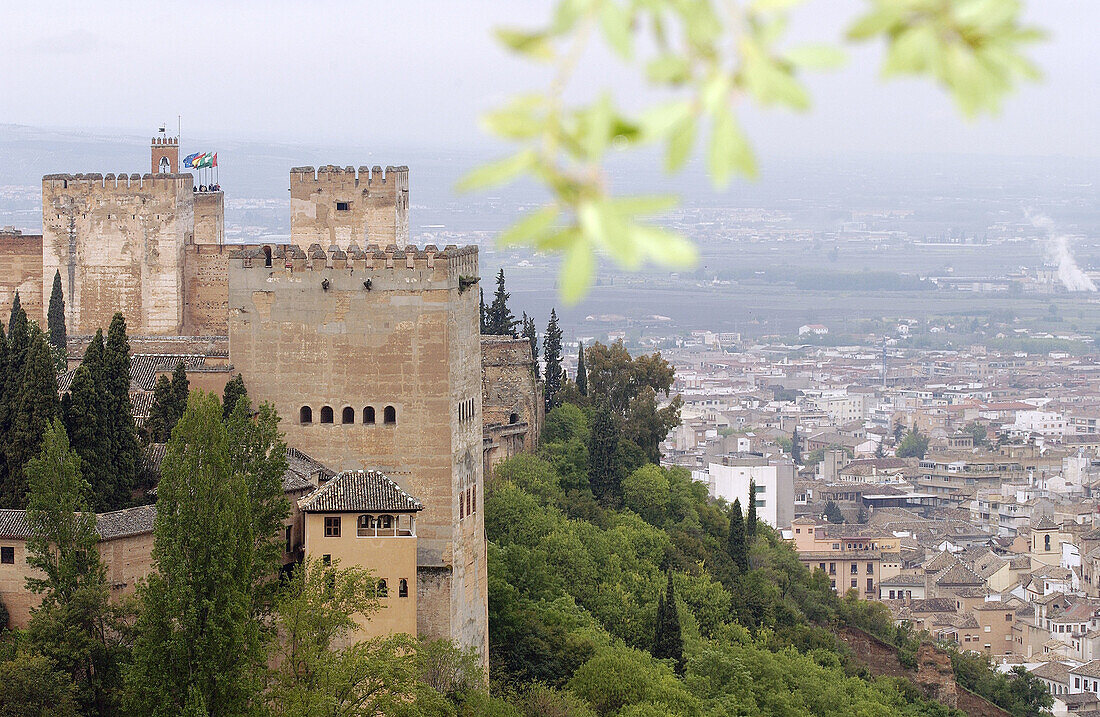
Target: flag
200	160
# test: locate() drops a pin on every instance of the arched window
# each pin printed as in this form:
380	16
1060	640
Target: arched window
348	415
305	415
1046	542
402	588
385	522
364	525
389	415
267	256
164	167
383	589
513	418
368	414
326	414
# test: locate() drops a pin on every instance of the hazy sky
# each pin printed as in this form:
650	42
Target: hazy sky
418	72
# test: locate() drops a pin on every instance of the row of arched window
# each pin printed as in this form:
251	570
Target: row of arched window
466	410
347	415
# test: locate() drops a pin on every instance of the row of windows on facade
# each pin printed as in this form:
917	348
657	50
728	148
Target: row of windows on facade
467	502
365	525
381	588
854	568
870	584
347	415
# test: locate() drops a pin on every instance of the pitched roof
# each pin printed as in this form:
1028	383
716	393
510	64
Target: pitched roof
959	574
130	521
1054	671
1089	669
354	491
1045	523
13	524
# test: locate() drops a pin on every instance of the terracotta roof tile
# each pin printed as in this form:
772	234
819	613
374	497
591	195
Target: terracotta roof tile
354	491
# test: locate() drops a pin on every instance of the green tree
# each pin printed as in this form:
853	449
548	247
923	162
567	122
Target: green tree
736	545
551	354
198	648
796	447
980	433
582	373
915	444
85	411
531	334
646	425
125	447
55	320
169	403
646	492
832	512
483	312
862	516
318	669
72	625
35	405
30	686
750	516
668	642
234	390
16	308
603	467
499	318
899	431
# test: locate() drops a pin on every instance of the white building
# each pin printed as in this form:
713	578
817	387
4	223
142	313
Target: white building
815	329
774	485
1046	423
841	407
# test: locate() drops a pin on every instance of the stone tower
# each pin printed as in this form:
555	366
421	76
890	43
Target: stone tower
334	205
373	359
118	242
165	155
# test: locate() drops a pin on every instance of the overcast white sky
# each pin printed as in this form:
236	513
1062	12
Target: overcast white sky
418	72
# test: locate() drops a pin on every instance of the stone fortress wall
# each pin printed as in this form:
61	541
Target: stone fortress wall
337	206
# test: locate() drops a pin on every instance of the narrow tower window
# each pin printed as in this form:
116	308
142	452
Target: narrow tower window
348	415
389	415
305	415
326	414
368	414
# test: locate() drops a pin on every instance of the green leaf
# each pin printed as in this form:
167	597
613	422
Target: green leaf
669	68
681	140
716	92
604	227
531	227
768	82
577	270
658	121
520	119
615	22
594	132
915	50
567	13
729	150
816	56
535	45
663	246
882	19
499	172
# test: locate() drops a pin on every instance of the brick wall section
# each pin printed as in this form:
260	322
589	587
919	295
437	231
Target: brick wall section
334	205
21	259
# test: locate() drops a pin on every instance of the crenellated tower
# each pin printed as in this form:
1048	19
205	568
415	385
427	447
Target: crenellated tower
336	205
165	155
372	357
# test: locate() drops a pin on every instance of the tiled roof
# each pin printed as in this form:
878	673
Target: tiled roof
1045	523
300	468
942	559
353	491
959	574
1089	669
144	368
905	580
130	521
1054	671
13	524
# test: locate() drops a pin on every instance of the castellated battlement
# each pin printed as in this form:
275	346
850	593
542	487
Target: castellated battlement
372	178
166	141
59	183
388	268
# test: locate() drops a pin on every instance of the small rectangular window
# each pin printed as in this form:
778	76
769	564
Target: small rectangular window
326	560
288	546
342	206
7	554
332	526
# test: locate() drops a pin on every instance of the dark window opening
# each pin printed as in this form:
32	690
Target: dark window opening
326	414
326	560
368	414
267	256
342	206
305	415
389	415
385	522
348	415
332	526
288	543
7	555
403	588
513	418
383	588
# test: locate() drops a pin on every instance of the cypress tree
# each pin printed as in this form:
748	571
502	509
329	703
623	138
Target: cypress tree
85	413
668	640
500	319
158	425
603	465
551	354
16	307
582	374
484	317
532	336
234	391
736	546
750	517
34	405
55	319
181	387
796	447
125	448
